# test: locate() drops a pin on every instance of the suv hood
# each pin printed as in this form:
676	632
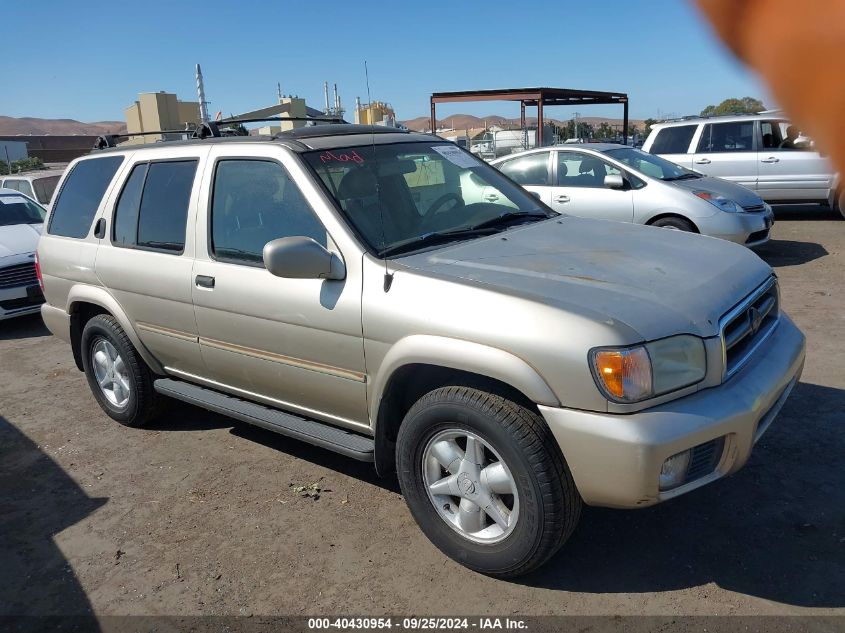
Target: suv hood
19	239
743	196
657	282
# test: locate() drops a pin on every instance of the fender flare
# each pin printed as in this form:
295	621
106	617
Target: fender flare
461	355
98	296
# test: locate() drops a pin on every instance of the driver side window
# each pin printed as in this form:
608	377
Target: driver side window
583	170
255	202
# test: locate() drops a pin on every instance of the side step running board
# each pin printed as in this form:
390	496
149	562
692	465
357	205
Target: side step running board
334	439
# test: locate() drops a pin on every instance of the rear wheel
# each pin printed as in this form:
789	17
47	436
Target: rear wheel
674	223
839	203
119	378
485	480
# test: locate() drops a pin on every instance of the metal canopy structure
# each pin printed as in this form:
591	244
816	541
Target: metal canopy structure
539	97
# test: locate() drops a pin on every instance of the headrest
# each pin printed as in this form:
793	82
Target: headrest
562	169
358	183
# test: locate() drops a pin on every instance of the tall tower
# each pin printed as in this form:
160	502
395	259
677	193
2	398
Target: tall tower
201	97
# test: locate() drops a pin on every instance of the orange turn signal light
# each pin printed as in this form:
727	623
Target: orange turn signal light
625	374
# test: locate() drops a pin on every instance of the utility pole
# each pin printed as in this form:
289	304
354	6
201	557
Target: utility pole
576	125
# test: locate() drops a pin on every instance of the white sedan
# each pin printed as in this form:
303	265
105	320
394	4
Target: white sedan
21	220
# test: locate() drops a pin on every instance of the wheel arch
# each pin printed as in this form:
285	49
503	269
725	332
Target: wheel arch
85	302
418	364
673	214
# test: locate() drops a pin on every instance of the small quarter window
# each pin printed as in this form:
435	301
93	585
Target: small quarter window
80	196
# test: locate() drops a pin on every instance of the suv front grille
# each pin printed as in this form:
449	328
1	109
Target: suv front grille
754	208
746	326
18	275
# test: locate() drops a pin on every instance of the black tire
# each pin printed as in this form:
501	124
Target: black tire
839	203
143	402
673	222
550	505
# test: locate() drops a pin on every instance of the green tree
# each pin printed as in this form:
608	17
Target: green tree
746	105
648	123
23	164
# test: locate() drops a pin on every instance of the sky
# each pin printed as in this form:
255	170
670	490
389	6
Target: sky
89	60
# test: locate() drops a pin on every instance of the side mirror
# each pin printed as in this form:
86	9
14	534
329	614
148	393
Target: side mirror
536	194
614	181
302	258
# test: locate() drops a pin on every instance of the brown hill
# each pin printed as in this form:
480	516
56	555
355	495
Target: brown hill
468	121
57	127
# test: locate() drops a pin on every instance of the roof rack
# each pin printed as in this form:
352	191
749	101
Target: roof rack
690	117
210	129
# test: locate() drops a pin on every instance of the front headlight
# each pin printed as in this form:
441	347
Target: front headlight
632	374
720	202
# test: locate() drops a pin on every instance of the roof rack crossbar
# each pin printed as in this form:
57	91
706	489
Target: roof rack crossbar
279	118
108	140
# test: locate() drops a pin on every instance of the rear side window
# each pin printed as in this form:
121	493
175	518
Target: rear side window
673	140
80	196
532	169
255	202
737	136
153	207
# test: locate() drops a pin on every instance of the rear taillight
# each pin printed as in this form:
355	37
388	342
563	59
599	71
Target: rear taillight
38	273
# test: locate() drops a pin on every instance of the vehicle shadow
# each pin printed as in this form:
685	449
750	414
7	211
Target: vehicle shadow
38	501
805	212
30	326
775	530
180	416
782	253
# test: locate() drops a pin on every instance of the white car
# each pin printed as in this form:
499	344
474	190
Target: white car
760	151
39	184
606	181
21	220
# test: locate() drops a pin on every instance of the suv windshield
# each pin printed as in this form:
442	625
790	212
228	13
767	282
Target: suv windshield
651	165
405	196
19	210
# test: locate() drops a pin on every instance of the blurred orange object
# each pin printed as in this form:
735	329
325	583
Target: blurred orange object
799	49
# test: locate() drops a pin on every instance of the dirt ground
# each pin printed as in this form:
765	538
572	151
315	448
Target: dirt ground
197	514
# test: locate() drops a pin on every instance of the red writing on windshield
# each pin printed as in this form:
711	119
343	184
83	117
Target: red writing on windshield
342	157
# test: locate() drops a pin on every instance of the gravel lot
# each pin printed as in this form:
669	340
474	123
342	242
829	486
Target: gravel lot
197	514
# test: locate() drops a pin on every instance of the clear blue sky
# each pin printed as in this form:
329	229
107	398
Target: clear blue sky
88	60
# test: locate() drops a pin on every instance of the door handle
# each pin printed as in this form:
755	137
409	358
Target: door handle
204	281
702	161
100	229
770	159
561	198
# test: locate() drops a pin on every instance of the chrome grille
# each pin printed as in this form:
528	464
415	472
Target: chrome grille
18	275
754	208
746	326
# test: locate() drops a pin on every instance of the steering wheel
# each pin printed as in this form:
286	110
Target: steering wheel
434	209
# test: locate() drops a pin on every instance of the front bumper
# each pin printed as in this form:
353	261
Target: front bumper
615	460
20	300
749	229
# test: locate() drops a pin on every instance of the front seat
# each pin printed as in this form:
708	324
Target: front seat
358	193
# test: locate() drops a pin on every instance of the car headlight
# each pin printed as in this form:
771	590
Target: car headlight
632	374
720	202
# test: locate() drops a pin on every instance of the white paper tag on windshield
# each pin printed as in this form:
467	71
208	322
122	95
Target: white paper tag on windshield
13	200
455	155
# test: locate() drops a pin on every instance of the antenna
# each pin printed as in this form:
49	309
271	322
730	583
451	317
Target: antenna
388	278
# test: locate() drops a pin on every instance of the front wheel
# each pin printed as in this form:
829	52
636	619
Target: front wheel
676	224
119	378
839	204
485	480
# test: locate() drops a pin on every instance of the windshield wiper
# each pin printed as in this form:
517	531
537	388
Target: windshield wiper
435	237
682	177
508	216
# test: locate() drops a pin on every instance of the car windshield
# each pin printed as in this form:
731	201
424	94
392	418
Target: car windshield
20	210
651	165
407	196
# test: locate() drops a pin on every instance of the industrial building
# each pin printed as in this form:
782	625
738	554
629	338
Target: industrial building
159	111
375	113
